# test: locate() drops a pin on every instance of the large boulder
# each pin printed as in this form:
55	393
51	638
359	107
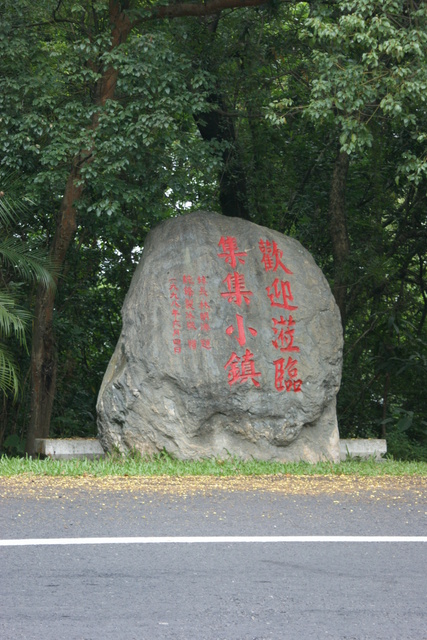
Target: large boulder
231	344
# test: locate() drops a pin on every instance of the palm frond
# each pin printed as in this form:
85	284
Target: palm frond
13	319
28	264
9	381
12	203
32	265
6	210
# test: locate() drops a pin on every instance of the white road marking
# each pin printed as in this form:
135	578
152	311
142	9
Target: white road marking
34	542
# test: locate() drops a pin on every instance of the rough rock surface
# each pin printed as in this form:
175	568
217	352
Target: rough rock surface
231	344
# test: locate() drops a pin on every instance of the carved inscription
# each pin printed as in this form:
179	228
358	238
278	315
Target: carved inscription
190	315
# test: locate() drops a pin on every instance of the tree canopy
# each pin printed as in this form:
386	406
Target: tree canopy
309	118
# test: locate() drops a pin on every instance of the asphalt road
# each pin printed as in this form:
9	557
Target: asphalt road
218	590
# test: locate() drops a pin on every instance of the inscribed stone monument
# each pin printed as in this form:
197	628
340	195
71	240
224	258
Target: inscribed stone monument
231	344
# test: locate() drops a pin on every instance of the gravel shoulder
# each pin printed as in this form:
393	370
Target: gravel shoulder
397	487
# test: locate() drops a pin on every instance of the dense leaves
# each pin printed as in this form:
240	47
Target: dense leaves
20	264
309	118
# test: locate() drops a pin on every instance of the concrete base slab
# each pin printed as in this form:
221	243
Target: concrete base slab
360	448
68	448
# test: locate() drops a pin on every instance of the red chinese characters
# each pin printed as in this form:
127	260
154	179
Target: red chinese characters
286	375
281	297
230	253
284	332
204	308
241	333
176	315
189	302
190	313
237	292
240	368
272	256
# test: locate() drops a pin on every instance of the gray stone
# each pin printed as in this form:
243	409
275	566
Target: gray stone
231	344
363	448
69	448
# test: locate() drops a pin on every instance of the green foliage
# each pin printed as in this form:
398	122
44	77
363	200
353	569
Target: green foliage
164	465
370	61
366	93
19	264
13	445
291	85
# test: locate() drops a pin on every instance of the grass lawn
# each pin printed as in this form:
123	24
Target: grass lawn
164	465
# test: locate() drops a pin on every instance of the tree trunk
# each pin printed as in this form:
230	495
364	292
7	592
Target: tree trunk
385	405
233	193
44	350
338	230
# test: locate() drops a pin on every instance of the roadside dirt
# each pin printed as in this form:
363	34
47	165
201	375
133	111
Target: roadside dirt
374	488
